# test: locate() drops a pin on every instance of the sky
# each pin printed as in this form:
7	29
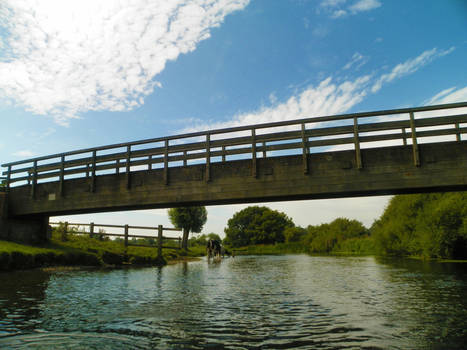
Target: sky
86	73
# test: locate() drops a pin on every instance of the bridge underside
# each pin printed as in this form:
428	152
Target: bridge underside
390	170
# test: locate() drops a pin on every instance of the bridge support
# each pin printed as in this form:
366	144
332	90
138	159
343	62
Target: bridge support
29	229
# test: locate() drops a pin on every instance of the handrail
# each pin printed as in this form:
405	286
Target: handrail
203	146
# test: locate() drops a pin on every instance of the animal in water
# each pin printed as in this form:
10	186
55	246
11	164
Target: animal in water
213	248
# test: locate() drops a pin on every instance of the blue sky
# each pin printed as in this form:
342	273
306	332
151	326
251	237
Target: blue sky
78	74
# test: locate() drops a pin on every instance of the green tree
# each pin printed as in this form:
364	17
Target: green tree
429	225
256	225
189	219
325	237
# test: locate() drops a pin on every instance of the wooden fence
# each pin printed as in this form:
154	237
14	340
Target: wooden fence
126	235
407	126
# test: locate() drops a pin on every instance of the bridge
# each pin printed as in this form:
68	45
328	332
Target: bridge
362	154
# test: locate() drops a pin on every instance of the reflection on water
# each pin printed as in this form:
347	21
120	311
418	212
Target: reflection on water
276	302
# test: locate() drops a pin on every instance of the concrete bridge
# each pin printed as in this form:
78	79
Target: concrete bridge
374	153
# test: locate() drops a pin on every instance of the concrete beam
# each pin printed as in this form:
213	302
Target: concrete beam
31	229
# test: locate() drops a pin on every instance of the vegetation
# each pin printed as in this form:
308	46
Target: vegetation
73	249
327	238
427	225
189	219
256	225
202	240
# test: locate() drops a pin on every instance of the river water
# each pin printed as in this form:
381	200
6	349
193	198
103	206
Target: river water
251	302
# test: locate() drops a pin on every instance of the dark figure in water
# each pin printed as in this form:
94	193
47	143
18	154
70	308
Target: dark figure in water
213	248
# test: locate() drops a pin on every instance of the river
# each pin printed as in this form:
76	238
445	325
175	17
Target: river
250	302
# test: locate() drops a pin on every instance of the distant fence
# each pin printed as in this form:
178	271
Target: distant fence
126	235
407	126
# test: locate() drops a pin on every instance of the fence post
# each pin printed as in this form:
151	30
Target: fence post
159	240
404	137
91	230
126	235
64	232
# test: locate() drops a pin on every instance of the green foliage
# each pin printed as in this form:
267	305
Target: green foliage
327	237
256	225
294	234
202	240
428	225
189	219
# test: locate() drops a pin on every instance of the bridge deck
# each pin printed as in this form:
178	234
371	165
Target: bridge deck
395	151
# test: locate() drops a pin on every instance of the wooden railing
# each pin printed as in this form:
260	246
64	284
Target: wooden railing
126	235
408	126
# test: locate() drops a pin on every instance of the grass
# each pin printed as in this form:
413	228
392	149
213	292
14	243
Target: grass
79	250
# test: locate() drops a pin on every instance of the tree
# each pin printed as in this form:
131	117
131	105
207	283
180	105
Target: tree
256	225
189	219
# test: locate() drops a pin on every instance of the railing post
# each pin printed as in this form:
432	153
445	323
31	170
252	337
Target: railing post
208	157
305	150
185	161
150	162
117	166
223	154
34	180
93	172
416	154
404	137
179	242
254	169
62	174
458	134
166	162
126	236
159	240
8	178
128	160
358	155
91	230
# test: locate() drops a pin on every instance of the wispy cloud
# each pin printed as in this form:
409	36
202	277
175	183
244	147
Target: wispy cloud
63	58
329	97
450	95
24	153
410	66
343	8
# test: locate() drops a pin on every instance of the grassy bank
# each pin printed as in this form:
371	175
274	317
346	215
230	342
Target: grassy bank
84	251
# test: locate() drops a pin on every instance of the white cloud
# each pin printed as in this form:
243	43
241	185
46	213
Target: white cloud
24	154
63	58
342	8
328	97
357	61
364	5
410	66
451	95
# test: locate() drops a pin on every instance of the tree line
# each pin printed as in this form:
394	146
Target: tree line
425	225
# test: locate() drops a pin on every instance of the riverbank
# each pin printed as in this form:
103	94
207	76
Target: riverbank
85	251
